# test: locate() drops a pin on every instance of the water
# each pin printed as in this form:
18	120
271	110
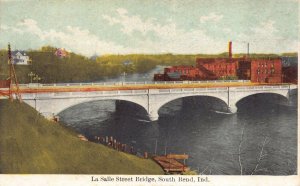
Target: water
191	126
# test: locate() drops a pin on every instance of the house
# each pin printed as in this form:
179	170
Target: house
61	52
20	58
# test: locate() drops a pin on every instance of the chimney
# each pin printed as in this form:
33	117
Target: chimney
230	49
248	48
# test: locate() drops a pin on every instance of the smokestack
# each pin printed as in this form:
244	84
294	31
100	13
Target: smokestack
248	48
230	49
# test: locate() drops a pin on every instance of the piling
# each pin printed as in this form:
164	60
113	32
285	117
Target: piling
131	149
115	144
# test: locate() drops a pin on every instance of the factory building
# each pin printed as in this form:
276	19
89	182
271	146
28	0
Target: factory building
257	70
178	73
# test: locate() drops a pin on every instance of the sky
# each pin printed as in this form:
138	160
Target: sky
100	27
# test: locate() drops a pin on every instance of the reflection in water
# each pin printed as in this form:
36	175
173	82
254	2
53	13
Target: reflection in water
211	139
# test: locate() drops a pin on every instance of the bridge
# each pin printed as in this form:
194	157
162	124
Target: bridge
51	99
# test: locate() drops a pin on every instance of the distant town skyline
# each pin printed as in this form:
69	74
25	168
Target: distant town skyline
169	26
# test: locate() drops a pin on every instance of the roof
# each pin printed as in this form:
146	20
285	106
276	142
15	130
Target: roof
16	51
182	67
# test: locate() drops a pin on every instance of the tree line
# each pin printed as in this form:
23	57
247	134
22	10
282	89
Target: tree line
78	68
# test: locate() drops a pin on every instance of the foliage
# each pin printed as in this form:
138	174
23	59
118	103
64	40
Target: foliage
77	68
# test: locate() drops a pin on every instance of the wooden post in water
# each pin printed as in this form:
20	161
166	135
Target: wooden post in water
115	144
155	150
165	148
119	146
131	149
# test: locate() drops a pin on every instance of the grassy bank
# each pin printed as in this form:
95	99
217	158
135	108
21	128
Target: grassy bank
31	144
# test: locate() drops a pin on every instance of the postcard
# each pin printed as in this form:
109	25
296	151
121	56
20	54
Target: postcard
195	92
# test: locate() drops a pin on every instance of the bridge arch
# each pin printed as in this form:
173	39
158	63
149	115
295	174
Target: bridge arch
50	107
280	96
138	105
235	100
196	96
163	100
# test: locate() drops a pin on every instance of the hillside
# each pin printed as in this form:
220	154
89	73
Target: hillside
31	144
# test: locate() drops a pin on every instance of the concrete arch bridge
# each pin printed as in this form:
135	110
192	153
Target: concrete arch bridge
52	103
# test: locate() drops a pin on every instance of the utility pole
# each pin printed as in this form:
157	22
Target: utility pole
31	74
13	78
37	78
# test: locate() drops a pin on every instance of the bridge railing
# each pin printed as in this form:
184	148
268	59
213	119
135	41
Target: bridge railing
150	91
262	87
33	85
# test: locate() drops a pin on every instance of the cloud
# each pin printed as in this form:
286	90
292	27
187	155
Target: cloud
30	25
71	38
135	23
212	17
170	37
264	38
265	28
13	29
4	27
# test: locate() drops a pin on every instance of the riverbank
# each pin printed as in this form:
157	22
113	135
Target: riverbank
30	144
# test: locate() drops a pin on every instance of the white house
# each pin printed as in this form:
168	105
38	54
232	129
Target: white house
20	58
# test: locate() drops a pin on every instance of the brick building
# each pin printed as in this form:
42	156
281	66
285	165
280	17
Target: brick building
266	70
219	67
261	70
256	70
179	73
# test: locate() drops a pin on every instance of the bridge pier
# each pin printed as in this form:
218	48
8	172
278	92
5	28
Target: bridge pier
232	109
153	116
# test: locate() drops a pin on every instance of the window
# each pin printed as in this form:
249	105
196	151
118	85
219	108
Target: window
272	71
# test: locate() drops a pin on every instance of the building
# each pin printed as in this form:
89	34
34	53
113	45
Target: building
266	70
245	68
20	58
219	68
261	70
257	70
61	52
176	73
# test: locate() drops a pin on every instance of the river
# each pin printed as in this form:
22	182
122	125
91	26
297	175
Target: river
264	125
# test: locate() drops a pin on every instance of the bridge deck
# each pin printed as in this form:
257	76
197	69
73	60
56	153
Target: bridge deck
88	88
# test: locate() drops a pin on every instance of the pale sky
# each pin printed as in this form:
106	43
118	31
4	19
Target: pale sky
149	26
